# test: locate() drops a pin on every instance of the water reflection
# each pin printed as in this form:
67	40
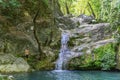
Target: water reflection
68	75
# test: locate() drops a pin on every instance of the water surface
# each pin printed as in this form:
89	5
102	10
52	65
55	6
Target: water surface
68	75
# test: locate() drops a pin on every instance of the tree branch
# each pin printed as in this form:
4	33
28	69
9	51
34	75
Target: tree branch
91	9
35	31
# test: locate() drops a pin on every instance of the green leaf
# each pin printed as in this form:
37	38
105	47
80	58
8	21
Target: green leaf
1	1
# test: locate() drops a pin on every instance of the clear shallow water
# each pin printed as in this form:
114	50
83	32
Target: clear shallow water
68	75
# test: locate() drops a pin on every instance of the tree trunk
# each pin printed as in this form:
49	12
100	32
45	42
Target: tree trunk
91	10
35	33
55	7
67	9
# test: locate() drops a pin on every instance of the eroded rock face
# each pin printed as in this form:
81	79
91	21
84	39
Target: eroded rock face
87	37
10	63
70	22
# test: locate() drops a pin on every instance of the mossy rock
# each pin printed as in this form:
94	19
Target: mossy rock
45	64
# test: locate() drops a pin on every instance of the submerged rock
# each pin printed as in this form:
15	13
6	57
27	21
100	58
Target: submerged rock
6	77
10	63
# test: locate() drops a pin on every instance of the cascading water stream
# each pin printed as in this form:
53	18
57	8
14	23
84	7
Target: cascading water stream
60	64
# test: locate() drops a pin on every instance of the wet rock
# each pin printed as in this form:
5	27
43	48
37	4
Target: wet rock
6	77
86	19
66	23
86	38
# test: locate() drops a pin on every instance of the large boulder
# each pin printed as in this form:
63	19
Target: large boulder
10	63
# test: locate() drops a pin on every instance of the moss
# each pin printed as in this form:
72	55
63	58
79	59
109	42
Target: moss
45	64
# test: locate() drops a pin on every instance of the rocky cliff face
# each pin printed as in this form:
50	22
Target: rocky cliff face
15	39
17	34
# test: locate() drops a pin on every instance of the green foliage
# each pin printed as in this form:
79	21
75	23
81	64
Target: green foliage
67	3
103	50
109	9
96	6
108	61
76	62
9	4
104	59
10	9
106	55
104	10
45	64
96	64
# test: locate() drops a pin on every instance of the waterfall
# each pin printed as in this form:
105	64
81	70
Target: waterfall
61	62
